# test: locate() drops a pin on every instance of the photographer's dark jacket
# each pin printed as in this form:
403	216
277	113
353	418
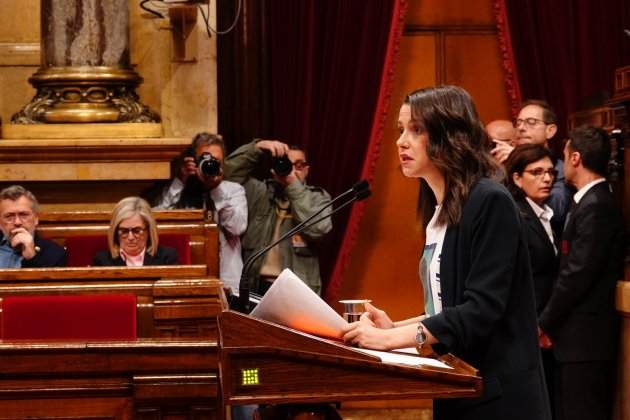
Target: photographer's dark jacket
304	200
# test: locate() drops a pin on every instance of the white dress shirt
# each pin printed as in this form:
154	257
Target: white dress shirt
230	214
544	214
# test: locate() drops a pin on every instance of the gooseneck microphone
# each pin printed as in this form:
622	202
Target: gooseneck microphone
360	196
359	191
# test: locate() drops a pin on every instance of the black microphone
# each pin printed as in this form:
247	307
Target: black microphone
358	191
360	196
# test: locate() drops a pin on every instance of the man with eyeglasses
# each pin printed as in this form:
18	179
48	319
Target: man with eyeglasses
20	246
276	205
537	124
225	200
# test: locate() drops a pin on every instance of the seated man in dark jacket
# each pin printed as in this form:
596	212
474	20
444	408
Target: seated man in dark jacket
20	245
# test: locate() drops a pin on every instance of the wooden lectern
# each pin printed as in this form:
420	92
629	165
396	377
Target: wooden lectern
263	362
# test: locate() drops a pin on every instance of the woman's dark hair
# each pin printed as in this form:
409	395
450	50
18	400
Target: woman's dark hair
457	146
518	160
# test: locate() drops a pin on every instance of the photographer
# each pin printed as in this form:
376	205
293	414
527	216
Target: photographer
277	205
200	184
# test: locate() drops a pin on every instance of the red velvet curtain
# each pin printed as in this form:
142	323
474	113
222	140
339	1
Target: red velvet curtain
566	51
330	62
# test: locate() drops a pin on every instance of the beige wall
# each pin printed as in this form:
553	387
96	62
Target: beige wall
445	41
184	93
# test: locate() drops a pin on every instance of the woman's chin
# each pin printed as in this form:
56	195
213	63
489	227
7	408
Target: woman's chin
409	172
132	251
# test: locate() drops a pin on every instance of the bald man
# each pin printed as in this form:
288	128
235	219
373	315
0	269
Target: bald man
503	134
501	130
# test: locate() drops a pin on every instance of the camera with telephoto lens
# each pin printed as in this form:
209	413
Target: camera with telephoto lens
282	166
209	165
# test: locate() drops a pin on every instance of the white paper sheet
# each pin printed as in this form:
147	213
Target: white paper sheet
405	359
290	302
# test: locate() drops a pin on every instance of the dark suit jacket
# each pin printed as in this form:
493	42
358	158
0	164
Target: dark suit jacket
488	317
164	256
580	316
543	259
50	255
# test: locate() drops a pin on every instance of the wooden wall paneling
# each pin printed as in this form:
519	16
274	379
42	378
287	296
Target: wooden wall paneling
19	30
19	53
14	89
451	12
472	60
183	93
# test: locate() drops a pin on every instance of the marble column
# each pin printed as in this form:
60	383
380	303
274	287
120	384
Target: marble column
85	74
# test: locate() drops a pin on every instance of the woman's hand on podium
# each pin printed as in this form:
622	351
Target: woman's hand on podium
364	334
377	317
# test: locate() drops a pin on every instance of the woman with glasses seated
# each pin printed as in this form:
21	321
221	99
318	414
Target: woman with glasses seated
133	238
530	177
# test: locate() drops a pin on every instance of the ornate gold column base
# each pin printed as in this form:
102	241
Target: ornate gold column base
85	95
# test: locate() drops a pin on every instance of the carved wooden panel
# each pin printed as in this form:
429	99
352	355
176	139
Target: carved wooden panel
472	60
122	380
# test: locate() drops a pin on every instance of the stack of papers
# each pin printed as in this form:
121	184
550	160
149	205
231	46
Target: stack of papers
290	302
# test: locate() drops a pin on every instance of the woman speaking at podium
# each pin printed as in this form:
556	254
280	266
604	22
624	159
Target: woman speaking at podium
478	293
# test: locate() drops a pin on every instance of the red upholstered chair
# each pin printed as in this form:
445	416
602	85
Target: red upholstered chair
181	243
81	249
72	317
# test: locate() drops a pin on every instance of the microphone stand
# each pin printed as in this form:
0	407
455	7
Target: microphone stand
360	196
357	189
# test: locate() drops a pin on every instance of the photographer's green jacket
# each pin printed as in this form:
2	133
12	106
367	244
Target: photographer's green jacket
304	199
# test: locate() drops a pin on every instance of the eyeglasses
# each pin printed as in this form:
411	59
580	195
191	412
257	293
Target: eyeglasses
23	215
529	122
300	164
540	172
124	232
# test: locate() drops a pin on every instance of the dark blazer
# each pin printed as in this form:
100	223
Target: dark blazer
164	256
488	317
50	255
543	259
580	316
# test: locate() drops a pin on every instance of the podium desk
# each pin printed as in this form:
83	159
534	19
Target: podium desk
263	362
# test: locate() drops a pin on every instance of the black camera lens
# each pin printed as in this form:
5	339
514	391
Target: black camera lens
208	165
282	166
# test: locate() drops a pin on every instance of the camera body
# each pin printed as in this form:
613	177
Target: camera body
282	166
208	165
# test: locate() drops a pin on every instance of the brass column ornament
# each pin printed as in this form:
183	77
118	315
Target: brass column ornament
85	74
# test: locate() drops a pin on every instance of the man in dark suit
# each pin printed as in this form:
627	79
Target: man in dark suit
20	246
579	319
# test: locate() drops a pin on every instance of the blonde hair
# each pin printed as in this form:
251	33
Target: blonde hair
126	208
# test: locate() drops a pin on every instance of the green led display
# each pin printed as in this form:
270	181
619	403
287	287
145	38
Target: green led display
249	377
